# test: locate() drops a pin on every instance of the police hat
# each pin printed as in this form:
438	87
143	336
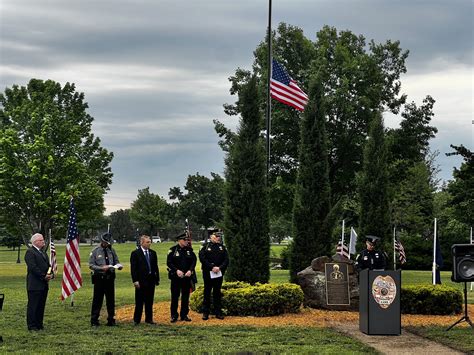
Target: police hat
182	236
106	238
372	239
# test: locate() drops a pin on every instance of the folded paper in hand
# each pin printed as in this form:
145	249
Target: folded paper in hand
118	266
215	275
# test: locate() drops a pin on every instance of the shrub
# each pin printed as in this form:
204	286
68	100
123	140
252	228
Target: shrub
260	300
431	299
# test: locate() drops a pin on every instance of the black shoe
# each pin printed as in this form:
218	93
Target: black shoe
219	316
111	324
174	319
33	329
136	323
95	324
150	322
186	319
205	316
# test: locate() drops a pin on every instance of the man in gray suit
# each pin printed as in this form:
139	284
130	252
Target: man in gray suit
38	276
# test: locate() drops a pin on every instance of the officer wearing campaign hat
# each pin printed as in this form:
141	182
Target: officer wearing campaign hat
103	261
181	262
370	258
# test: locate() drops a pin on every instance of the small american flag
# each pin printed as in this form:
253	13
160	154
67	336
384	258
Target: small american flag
401	252
72	278
52	257
342	249
284	89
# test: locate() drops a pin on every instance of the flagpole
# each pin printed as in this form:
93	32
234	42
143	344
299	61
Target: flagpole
394	257
269	104
434	253
342	234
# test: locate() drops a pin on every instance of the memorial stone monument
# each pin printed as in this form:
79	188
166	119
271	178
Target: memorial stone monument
330	283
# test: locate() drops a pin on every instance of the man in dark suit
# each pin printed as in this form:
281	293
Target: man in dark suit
145	276
38	276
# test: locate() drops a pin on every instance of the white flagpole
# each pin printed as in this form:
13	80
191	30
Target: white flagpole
434	253
342	234
394	256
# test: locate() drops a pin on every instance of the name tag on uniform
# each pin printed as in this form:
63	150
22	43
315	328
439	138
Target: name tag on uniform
177	254
220	248
208	249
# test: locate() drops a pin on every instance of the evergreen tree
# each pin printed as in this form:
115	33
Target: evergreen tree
311	233
373	184
246	211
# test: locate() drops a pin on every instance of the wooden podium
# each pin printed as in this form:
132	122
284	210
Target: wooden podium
379	302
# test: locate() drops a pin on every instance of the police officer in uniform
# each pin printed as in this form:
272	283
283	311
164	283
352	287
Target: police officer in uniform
181	262
214	260
103	261
370	258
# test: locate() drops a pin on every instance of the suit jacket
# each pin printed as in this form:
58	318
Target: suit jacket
139	267
37	266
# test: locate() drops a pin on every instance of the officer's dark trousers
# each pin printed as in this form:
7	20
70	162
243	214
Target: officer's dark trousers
103	288
180	286
213	285
35	309
144	295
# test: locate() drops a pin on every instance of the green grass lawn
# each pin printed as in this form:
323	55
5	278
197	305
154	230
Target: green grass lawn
64	323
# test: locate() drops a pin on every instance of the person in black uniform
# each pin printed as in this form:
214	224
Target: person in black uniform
103	261
145	276
38	276
181	262
370	258
214	260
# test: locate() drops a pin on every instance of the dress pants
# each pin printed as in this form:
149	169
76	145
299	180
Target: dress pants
180	286
144	295
103	288
35	309
214	286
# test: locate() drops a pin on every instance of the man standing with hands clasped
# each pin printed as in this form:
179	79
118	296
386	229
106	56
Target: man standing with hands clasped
214	259
145	276
38	276
181	262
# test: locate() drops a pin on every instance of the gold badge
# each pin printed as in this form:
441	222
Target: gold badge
384	291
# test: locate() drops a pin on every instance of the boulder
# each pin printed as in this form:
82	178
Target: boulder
312	281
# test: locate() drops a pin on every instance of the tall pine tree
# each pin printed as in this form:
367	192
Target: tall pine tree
311	232
246	211
373	183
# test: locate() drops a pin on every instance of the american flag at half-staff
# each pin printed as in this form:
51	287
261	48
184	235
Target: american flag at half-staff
284	89
72	278
52	256
342	249
401	252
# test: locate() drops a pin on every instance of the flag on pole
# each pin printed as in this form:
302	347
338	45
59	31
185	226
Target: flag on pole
342	250
401	252
72	278
284	89
52	257
352	242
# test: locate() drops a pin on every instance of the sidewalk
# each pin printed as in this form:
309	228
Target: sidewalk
406	343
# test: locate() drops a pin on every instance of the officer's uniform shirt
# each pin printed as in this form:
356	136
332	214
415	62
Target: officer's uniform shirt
371	260
100	257
182	259
214	254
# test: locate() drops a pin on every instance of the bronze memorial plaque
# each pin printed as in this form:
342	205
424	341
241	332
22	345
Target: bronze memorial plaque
337	284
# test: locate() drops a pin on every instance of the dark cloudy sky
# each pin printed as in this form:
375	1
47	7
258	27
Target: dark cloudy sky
155	72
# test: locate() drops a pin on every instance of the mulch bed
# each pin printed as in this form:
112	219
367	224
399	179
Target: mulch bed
308	317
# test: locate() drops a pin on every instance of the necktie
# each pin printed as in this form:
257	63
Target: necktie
147	257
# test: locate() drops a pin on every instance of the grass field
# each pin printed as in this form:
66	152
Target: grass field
64	323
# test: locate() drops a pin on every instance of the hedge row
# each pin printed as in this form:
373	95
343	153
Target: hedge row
431	299
260	300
